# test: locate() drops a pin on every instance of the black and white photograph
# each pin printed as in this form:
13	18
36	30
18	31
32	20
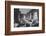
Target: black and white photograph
26	17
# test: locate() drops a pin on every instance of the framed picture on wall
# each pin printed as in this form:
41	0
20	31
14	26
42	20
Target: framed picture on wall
24	18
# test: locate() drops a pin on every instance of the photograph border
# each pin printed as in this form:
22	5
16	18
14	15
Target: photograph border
8	18
26	28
